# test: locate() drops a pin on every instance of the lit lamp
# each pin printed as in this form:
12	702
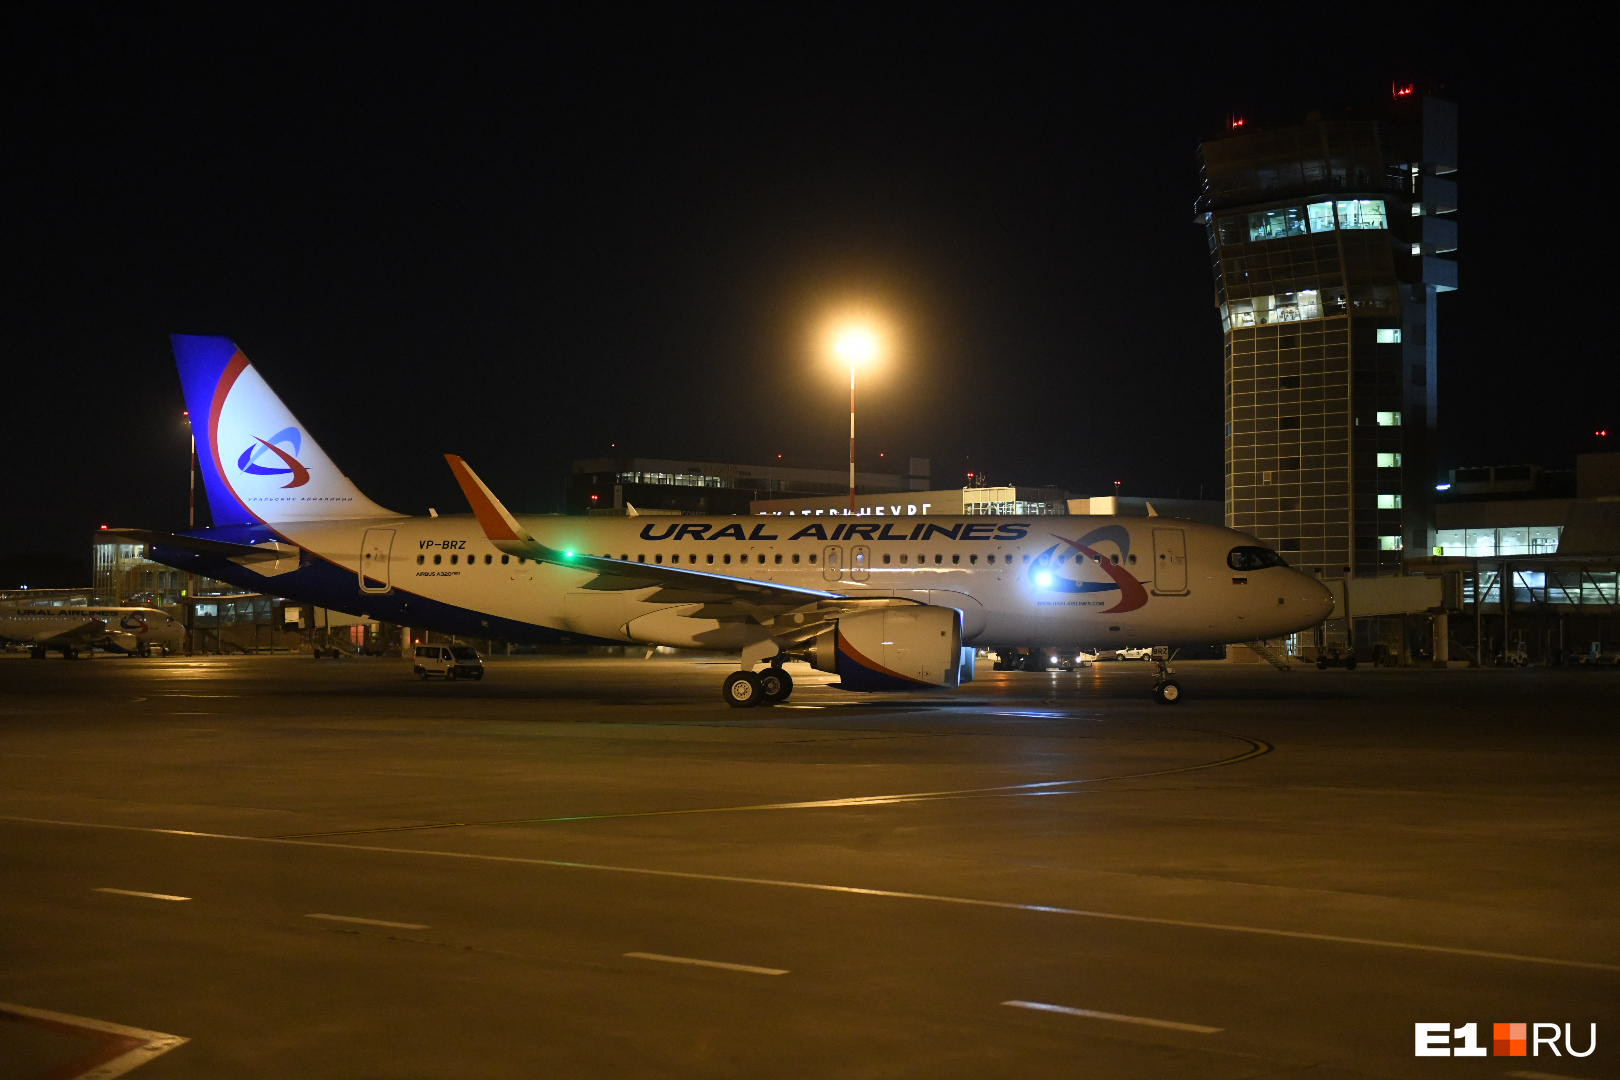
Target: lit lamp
855	345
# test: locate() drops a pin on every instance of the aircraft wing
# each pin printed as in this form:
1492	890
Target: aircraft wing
720	594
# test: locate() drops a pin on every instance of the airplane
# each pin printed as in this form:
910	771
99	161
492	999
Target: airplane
70	630
886	604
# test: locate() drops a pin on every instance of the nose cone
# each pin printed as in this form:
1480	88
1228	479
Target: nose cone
1315	600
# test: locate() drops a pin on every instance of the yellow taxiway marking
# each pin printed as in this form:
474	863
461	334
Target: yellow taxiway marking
1257	747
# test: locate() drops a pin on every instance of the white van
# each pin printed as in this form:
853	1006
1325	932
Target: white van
449	661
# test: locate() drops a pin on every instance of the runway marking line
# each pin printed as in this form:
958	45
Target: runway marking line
368	922
1121	1018
748	968
144	895
121	1048
853	890
1540	1076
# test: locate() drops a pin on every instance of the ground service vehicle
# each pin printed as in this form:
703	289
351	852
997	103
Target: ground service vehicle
447	662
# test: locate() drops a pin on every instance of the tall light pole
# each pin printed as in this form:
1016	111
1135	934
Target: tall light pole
856	345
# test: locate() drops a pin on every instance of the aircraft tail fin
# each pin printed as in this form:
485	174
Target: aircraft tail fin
258	463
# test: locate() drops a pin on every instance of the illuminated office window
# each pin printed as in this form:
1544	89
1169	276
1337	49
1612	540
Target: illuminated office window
1273	224
1321	216
1362	214
1389	543
1389	337
1389	502
1389	461
1389	419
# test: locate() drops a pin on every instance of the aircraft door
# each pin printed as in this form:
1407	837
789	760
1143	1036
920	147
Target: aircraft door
374	552
832	562
860	560
1170	562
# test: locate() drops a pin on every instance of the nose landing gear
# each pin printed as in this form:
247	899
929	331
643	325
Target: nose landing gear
1166	691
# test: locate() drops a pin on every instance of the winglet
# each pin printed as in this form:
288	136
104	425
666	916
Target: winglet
496	521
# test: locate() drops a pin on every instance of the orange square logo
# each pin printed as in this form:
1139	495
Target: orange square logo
1509	1040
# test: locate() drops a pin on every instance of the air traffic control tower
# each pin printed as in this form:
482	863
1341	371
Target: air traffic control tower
1330	241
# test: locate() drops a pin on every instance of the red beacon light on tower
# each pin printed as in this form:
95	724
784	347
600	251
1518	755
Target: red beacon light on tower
1235	121
1398	90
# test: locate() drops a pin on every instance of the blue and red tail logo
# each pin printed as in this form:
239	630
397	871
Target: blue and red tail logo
1053	570
249	462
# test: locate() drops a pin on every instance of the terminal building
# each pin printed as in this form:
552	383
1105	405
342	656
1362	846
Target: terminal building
1330	241
662	485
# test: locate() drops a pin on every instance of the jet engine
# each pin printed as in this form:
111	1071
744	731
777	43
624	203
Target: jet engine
910	647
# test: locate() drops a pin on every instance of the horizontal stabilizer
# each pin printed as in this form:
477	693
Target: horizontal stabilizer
241	553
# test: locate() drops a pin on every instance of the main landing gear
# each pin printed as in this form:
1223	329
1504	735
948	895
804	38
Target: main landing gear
1165	689
745	689
768	685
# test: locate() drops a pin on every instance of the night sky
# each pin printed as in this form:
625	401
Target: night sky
524	238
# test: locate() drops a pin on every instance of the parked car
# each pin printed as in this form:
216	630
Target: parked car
447	662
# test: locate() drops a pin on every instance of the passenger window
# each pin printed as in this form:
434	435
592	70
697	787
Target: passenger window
886	560
795	560
726	559
1132	560
904	559
641	558
709	559
812	558
1115	558
659	558
505	559
488	560
939	560
437	559
454	559
973	559
991	559
779	560
420	559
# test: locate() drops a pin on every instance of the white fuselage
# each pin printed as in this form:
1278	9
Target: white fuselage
1083	581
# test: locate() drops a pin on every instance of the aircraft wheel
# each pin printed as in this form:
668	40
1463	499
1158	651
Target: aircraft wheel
775	685
1167	693
742	690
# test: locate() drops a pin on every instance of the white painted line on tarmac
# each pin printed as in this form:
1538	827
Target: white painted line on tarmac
1541	1076
1121	1018
146	895
368	922
749	968
122	1048
854	890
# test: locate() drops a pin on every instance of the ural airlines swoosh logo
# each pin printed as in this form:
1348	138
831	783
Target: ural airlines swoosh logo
1047	570
249	461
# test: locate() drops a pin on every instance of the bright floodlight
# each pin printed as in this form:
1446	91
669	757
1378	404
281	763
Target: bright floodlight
856	344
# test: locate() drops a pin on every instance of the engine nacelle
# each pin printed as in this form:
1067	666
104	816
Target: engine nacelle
911	647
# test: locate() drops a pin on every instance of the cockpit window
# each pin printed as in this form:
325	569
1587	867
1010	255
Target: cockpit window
1253	558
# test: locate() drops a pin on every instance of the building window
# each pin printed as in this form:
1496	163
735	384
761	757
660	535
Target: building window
1389	419
1277	223
1387	336
1362	214
1389	461
1389	502
1321	215
1389	543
